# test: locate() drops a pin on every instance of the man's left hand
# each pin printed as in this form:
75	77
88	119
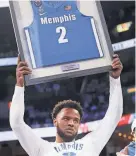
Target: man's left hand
116	67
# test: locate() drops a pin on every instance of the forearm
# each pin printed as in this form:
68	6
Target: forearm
17	107
115	108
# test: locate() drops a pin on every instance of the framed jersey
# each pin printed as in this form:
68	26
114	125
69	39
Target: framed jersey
61	39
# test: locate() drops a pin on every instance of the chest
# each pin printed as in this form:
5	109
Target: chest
73	149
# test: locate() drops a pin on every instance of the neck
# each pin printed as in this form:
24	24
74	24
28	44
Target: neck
59	139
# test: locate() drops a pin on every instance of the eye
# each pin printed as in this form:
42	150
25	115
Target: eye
66	119
76	121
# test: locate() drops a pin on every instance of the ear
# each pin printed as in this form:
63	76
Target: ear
55	122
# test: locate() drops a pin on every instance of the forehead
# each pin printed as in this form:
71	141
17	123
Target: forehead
70	112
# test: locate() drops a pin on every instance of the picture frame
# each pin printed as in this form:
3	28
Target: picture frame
63	70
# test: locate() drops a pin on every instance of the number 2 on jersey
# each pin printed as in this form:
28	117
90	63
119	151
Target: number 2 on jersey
62	38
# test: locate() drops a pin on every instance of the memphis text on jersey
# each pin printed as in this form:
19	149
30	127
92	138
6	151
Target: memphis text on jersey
61	19
74	146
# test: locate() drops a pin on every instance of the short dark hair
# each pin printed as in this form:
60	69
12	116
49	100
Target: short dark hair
67	104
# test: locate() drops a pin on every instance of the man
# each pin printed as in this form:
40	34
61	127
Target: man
130	150
66	117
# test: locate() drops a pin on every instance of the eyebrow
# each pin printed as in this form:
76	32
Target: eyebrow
70	117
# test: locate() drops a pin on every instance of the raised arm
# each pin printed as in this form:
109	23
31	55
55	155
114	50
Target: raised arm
29	141
101	135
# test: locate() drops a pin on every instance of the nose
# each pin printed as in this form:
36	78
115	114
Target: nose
71	123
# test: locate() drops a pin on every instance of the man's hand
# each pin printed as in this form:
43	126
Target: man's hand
121	154
116	67
21	70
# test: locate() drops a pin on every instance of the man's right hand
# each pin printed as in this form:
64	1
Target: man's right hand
121	154
21	70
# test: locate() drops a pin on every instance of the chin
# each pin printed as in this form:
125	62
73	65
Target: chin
70	137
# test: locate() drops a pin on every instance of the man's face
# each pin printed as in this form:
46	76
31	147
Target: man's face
67	123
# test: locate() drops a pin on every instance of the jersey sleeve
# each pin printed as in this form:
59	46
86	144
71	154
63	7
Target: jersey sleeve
107	125
31	143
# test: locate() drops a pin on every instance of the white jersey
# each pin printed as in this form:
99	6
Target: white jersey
92	144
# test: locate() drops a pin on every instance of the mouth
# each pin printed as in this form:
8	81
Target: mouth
70	130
